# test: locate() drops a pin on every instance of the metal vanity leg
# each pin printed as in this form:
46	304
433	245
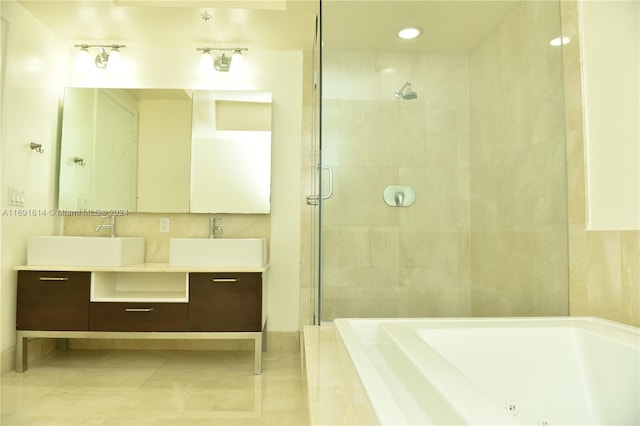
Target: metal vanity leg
258	353
22	352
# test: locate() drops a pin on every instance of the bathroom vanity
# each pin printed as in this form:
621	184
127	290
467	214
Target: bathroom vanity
144	301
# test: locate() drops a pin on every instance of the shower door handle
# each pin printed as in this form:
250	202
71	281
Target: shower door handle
330	174
314	200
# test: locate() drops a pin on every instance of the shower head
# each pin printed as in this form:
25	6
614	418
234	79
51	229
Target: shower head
406	93
410	95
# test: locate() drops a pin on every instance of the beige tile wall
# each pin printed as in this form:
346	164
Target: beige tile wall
604	265
183	225
519	247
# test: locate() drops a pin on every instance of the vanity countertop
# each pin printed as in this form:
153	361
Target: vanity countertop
140	267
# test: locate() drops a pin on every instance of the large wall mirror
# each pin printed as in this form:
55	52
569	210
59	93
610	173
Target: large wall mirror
166	151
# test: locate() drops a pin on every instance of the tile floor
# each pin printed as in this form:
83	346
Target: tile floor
128	387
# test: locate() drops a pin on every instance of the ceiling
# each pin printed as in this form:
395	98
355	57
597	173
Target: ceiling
450	26
261	24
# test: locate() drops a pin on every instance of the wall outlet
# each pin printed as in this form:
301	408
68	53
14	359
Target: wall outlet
164	225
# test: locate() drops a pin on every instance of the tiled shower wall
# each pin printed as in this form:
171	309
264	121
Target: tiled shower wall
388	261
519	248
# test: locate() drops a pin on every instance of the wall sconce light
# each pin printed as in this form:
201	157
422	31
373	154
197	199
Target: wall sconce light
103	60
223	63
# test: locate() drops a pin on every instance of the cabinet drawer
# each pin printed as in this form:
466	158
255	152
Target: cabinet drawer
53	300
225	302
119	316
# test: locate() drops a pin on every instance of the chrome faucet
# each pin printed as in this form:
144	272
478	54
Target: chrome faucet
111	226
213	228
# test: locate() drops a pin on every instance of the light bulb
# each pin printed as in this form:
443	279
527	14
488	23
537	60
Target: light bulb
83	60
237	62
408	33
115	59
206	62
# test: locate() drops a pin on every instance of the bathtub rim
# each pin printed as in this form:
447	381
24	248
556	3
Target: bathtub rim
386	408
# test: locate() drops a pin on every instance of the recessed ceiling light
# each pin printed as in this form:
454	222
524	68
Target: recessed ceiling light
408	33
559	41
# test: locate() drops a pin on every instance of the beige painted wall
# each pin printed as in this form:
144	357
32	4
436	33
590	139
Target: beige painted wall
611	94
30	103
236	115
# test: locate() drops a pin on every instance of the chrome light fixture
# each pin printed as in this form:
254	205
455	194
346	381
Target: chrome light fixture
222	63
103	59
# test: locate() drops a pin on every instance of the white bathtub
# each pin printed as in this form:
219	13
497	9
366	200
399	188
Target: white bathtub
489	371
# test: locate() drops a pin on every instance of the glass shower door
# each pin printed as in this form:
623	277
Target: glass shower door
479	142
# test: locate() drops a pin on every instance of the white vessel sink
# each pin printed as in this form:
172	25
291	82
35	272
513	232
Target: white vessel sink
85	251
218	252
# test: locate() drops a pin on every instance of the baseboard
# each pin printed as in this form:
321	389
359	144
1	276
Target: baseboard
8	361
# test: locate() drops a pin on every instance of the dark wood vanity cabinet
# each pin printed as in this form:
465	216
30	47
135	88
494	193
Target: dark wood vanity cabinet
139	303
225	301
53	300
217	302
